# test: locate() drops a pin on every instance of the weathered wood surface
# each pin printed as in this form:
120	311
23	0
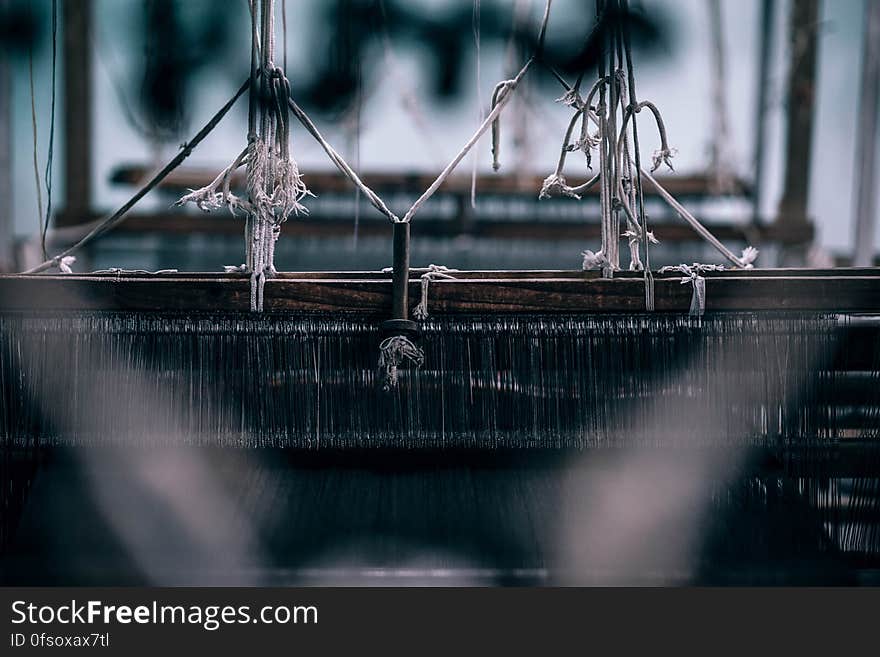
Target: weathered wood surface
369	293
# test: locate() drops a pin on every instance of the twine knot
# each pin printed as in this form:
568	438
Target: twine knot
434	273
693	275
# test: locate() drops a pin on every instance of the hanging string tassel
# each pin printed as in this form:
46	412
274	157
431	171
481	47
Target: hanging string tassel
502	89
394	352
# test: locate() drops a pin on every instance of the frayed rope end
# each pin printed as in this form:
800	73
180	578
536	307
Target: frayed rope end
394	352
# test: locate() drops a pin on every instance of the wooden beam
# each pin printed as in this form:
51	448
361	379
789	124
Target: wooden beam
574	292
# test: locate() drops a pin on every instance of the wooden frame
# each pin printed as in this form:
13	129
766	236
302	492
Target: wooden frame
477	292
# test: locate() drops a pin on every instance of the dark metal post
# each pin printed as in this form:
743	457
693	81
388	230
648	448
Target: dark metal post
400	323
77	54
399	332
800	100
866	139
400	277
768	13
6	217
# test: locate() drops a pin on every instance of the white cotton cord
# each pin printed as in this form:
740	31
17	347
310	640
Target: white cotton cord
394	352
487	122
340	162
693	276
555	184
433	273
502	89
664	154
479	83
749	253
587	186
503	97
274	184
100	227
217	194
626	190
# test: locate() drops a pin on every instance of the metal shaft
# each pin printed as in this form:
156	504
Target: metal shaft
400	275
866	139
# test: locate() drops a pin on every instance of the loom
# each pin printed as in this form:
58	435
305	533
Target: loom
524	374
653	425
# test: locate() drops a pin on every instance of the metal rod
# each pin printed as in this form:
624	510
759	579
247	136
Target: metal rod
6	200
800	99
77	53
866	139
768	13
400	275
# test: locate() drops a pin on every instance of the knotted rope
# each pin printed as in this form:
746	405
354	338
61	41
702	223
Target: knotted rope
434	273
217	193
274	185
500	98
394	352
692	274
620	168
64	264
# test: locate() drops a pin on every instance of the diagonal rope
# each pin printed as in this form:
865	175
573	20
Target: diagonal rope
637	160
621	172
109	222
503	94
259	75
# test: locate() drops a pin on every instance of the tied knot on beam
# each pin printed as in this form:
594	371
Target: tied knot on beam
693	276
394	352
65	264
433	273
